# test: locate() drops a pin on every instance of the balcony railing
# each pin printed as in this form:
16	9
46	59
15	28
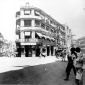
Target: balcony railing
28	16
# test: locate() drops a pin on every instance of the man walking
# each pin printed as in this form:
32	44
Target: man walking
70	64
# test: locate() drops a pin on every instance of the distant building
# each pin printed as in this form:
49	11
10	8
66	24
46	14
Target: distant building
1	43
68	37
81	43
37	32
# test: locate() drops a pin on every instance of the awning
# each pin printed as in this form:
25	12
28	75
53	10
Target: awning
39	34
44	36
52	39
47	37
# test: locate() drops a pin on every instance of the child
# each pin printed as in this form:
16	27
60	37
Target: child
79	76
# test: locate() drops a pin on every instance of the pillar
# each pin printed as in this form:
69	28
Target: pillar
53	51
22	36
33	51
33	34
23	53
50	51
22	23
32	12
22	12
33	21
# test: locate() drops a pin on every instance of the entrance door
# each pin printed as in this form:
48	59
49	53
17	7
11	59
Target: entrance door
48	51
28	51
37	52
52	50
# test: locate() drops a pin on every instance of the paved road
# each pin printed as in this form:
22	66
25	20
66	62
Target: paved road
49	74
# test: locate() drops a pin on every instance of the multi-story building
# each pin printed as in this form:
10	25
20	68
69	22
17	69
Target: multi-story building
61	33
1	43
81	43
68	38
37	32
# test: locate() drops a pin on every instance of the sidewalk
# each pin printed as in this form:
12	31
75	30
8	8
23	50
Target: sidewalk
16	63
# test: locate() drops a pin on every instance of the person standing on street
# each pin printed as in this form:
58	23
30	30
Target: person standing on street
78	63
71	56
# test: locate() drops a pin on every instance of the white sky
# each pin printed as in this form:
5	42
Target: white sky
69	12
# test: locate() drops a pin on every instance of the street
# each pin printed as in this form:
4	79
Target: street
46	74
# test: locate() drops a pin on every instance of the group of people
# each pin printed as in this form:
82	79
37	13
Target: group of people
75	62
61	53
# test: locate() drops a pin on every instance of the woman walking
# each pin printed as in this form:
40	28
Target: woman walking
78	63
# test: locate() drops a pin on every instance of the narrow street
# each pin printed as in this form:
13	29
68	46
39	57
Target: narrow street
46	74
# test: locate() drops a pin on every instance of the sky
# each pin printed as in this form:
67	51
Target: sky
69	12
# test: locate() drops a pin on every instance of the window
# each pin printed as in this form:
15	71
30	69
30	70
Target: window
51	30
27	12
37	23
63	28
27	36
27	23
47	27
17	14
42	25
47	21
18	22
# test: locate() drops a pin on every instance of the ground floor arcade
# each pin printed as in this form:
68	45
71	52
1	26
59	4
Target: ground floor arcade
35	50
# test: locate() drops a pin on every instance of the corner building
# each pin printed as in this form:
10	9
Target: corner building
36	32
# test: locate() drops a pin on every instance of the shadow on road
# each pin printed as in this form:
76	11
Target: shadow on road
47	74
29	75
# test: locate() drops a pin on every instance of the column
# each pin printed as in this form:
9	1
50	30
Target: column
46	51
32	12
33	21
53	51
33	34
22	23
23	53
22	36
33	51
50	51
22	12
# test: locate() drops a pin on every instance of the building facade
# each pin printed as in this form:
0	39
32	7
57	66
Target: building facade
69	39
37	32
1	43
81	43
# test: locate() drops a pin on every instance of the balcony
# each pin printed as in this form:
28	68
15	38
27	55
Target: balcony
36	41
37	29
28	16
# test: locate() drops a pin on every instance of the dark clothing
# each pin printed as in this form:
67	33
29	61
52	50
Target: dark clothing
68	70
77	82
70	60
69	67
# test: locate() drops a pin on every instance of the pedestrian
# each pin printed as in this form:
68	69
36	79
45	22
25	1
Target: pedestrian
79	75
71	56
43	52
78	63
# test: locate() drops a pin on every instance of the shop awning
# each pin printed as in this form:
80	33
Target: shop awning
52	39
39	34
46	37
